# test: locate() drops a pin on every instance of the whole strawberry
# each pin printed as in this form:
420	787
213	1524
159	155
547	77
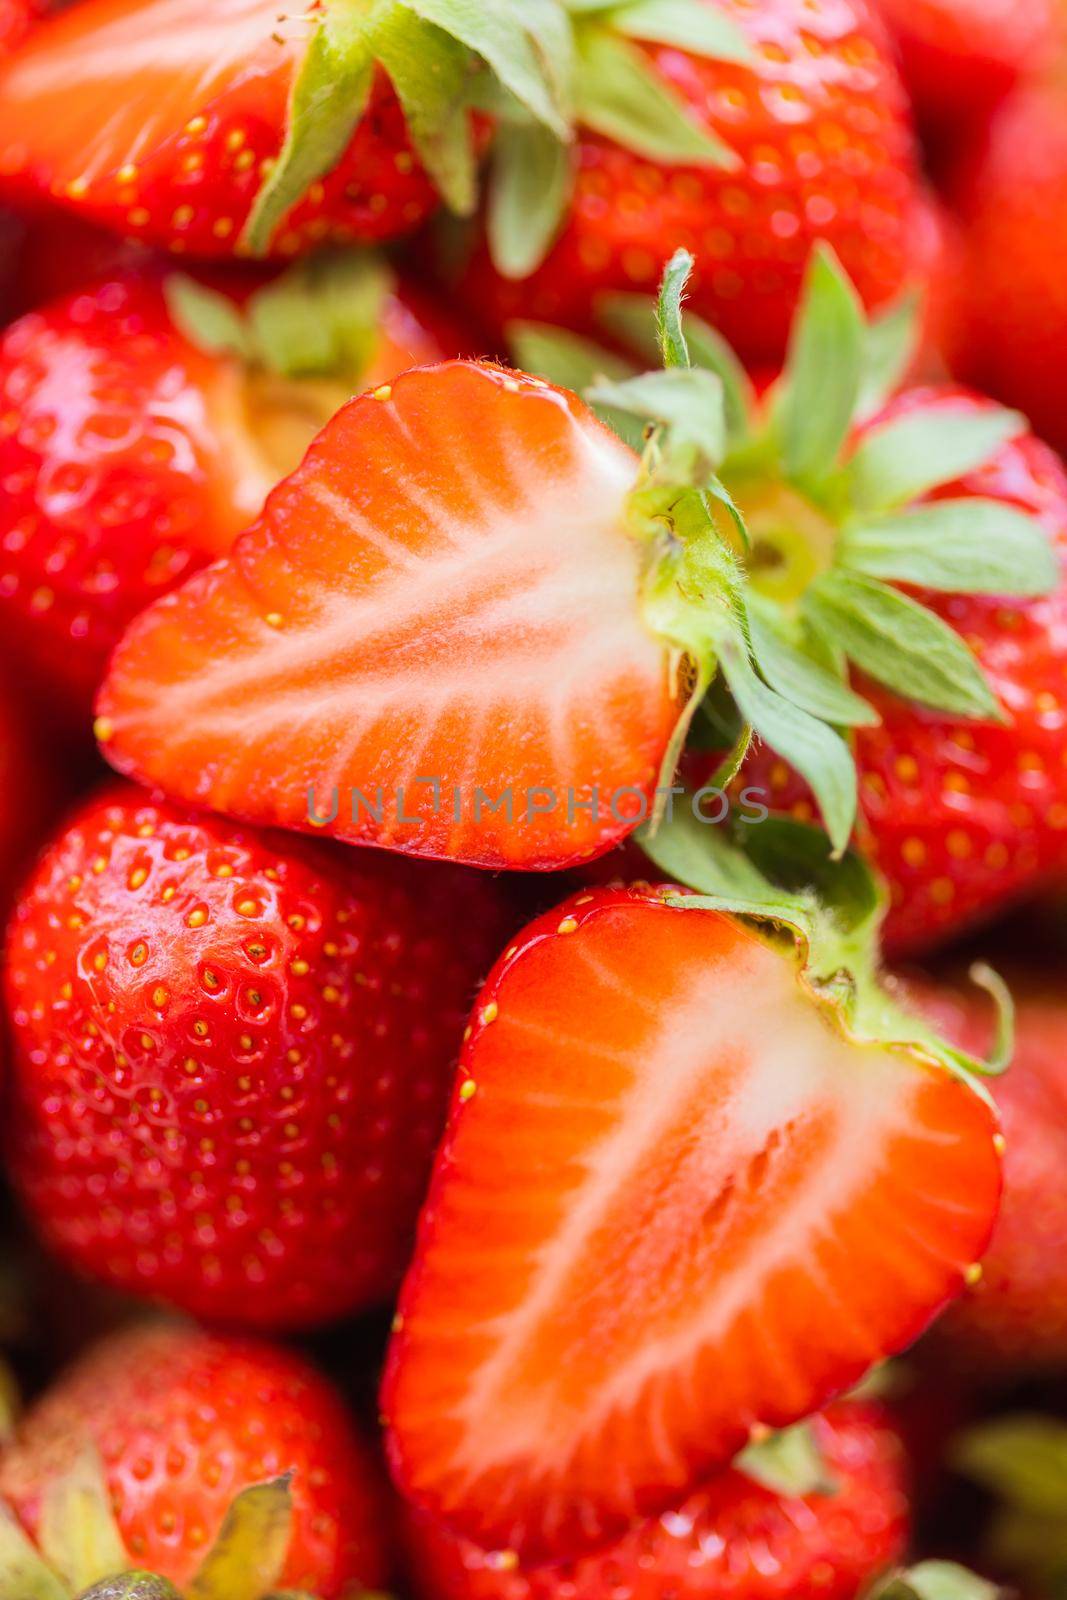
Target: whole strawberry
143	420
219	127
793	127
231	1057
1012	334
191	1429
743	1536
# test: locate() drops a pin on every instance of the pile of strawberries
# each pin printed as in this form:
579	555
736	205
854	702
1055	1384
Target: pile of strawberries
533	595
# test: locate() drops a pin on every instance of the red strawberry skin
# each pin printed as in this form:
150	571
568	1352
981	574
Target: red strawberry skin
1015	1320
819	124
961	58
231	1057
1012	338
679	1245
183	1421
447	587
962	817
160	122
731	1540
129	458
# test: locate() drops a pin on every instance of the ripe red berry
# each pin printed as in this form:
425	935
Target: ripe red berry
232	1053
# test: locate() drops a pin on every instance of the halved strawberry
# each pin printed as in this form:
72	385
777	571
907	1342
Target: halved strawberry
678	1200
434	632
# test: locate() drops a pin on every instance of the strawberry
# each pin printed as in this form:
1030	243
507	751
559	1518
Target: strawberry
731	1185
231	1057
793	127
216	127
1016	1320
736	1538
440	608
1012	337
185	1424
134	446
961	58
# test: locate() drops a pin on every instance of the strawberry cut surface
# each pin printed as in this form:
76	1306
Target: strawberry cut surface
438	610
673	1203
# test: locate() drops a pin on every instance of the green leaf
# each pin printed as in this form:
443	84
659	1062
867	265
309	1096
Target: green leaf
528	193
674	352
209	320
619	94
429	69
891	345
574	363
821	384
686	405
249	1555
693	852
22	1571
906	458
819	754
899	643
692	25
934	1580
527	43
965	546
788	1463
1021	1459
798	677
631	318
78	1535
328	98
321	316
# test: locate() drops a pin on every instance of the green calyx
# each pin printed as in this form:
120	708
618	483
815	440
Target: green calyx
819	528
540	69
79	1550
320	318
784	878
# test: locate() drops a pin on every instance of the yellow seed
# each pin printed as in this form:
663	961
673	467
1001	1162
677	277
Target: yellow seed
383	392
196	125
1000	1144
138	876
973	1274
274	619
299	968
490	1012
103	728
196	919
467	1090
568	925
